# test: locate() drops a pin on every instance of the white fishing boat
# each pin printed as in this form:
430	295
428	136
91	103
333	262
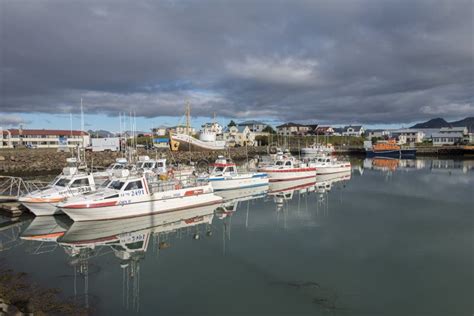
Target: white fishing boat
288	168
318	149
225	176
137	195
328	165
72	182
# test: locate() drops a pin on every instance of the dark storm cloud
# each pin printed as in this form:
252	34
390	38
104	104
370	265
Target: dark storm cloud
345	61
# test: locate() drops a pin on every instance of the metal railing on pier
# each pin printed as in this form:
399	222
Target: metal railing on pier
11	188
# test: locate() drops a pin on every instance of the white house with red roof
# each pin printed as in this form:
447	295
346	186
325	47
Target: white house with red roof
43	138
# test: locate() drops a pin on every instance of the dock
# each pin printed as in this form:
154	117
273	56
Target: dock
12	209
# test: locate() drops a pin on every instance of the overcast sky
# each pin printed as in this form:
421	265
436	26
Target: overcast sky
371	62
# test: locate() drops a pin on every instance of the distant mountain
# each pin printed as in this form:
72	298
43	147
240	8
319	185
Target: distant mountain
468	122
100	133
440	122
433	123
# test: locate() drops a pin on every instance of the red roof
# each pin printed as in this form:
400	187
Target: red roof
53	132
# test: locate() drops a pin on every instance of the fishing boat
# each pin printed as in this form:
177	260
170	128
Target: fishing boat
135	195
225	176
328	165
288	168
389	148
72	182
318	149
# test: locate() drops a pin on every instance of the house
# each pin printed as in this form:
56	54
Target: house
239	136
292	129
378	133
160	130
324	130
408	136
459	130
338	131
445	138
254	126
43	138
450	136
213	127
353	130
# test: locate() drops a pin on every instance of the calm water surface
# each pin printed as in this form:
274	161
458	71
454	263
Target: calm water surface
390	238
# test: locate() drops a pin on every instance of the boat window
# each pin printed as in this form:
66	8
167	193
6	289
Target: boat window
148	165
230	169
134	185
140	165
279	163
160	164
219	169
116	184
62	182
288	163
116	167
105	184
84	182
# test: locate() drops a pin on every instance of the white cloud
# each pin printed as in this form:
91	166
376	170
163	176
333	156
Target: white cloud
452	109
11	120
286	70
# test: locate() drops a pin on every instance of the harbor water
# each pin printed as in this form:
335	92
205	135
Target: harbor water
393	237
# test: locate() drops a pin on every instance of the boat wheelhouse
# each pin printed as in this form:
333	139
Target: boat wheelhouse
102	176
71	182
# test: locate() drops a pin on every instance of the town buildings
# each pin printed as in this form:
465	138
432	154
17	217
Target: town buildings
43	138
408	136
254	126
292	129
236	136
356	130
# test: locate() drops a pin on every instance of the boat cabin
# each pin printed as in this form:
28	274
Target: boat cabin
120	163
224	166
147	164
76	183
286	163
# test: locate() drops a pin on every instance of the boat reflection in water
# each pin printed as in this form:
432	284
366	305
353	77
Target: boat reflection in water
232	199
127	239
283	191
47	228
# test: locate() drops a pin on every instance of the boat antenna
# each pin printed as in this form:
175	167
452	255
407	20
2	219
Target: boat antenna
82	117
